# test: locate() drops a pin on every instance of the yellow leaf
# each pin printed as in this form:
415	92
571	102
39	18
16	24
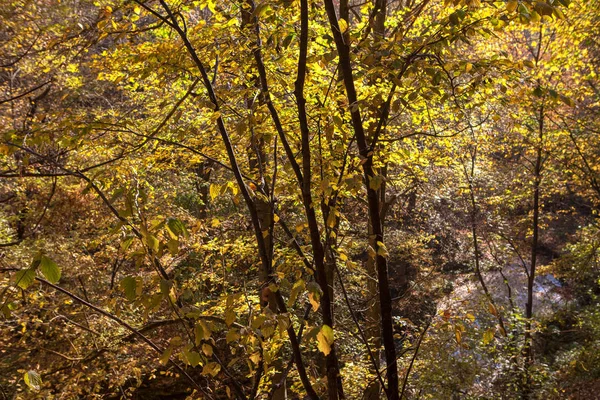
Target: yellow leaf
255	358
314	300
204	330
214	191
33	380
325	339
375	182
492	309
229	317
331	220
371	251
211	6
488	336
458	335
296	290
511	6
211	369
343	25
232	336
322	344
198	334
502	330
207	349
382	250
215	116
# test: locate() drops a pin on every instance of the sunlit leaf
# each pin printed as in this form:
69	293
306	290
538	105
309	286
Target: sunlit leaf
325	339
33	380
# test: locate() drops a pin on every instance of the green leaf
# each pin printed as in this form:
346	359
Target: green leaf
191	357
288	40
152	242
126	243
173	246
198	334
33	380
454	19
6	310
176	228
165	286
25	278
50	270
164	358
567	100
262	10
128	284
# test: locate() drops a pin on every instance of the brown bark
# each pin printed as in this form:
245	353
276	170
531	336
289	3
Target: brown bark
537	177
334	388
366	153
264	254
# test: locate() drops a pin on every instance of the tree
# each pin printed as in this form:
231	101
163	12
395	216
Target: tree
293	125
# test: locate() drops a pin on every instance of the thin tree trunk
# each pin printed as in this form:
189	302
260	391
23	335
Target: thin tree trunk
537	177
334	388
264	254
366	153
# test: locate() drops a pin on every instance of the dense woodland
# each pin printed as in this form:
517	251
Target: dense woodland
299	199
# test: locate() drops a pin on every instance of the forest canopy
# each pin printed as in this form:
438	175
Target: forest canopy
299	199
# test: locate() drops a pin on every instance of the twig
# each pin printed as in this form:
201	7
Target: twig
125	325
412	361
